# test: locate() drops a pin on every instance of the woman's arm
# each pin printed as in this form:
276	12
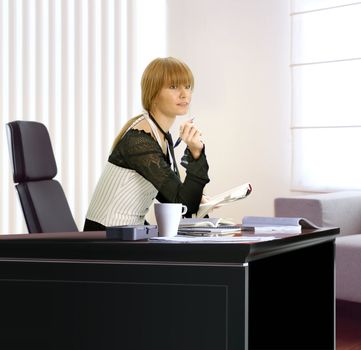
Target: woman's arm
139	151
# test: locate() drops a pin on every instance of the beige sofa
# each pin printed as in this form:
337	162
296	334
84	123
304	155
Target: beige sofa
338	209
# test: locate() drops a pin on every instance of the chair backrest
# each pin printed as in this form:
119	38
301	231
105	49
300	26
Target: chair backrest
42	198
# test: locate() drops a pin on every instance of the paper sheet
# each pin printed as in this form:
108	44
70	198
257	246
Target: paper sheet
222	239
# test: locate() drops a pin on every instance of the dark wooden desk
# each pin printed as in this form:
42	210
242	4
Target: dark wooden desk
81	291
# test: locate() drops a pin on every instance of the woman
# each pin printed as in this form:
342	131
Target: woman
141	165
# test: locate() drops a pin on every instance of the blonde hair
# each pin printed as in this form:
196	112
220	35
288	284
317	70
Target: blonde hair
159	72
123	130
163	71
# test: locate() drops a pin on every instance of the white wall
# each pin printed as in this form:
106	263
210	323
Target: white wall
239	53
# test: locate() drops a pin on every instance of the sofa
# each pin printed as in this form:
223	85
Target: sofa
338	209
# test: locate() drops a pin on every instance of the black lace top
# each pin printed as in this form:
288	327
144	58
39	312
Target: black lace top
139	151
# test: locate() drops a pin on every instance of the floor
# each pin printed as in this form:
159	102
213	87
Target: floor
348	326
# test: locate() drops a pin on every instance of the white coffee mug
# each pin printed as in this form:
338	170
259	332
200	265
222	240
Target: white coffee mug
168	216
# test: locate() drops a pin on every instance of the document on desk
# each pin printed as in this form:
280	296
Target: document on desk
221	239
268	224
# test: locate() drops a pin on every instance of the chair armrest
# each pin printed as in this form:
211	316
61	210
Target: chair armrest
337	209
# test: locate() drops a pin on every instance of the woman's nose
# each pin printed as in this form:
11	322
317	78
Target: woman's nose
183	92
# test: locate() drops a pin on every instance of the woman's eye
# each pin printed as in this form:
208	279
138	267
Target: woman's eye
173	87
187	87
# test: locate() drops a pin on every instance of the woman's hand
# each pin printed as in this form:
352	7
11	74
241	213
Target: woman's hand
191	135
204	199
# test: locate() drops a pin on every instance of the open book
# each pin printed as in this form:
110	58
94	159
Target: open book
207	226
205	222
265	224
234	194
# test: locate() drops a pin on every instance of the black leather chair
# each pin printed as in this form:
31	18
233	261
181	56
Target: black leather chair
42	198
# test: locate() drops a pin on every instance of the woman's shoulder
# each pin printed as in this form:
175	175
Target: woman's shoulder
143	125
133	143
142	133
137	139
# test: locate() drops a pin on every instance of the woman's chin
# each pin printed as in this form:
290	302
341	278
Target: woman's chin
183	112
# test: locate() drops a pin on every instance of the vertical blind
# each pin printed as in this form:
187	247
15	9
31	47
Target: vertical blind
326	90
74	66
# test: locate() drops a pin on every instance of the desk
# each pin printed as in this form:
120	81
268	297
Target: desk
81	291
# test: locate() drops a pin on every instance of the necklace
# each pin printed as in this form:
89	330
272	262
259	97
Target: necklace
169	139
159	127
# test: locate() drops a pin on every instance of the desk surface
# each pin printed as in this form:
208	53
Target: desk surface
86	292
95	245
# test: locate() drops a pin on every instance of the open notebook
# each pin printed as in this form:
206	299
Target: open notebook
207	227
232	195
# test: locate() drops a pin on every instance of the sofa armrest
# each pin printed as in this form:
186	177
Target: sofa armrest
337	209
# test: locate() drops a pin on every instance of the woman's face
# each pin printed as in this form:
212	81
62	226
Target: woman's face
173	100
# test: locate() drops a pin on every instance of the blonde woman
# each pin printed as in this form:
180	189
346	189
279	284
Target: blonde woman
141	166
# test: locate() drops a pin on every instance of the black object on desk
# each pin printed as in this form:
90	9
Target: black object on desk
131	232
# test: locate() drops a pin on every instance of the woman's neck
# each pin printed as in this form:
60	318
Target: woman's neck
164	121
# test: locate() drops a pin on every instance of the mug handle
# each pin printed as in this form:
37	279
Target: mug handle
184	209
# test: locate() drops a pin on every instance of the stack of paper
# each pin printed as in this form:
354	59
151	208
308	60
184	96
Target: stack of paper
265	224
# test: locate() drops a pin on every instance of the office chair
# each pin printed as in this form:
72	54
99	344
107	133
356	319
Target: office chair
42	198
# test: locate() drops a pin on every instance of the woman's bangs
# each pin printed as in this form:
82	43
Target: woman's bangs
179	75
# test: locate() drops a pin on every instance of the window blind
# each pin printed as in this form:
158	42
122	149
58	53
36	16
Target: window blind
326	85
74	66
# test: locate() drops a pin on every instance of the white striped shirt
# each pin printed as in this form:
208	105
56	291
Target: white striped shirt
122	196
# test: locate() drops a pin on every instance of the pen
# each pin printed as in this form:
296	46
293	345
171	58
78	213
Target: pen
179	140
